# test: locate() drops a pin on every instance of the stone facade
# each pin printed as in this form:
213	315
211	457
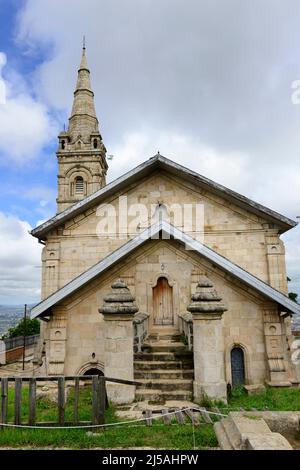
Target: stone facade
239	236
242	324
78	338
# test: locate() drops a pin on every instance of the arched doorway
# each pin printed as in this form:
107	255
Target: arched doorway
237	367
163	303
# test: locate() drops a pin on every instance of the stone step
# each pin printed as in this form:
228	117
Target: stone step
163	374
153	395
232	432
166	384
177	337
162	365
222	437
164	356
163	346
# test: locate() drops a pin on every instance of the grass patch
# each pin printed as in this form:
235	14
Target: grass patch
274	399
159	436
124	436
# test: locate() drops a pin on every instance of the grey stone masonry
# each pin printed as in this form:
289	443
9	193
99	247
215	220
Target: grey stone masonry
118	311
209	368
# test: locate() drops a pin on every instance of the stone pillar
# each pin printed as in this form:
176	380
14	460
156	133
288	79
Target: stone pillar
57	341
118	311
275	341
209	369
276	262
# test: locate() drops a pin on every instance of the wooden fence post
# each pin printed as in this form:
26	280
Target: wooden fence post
101	399
76	400
4	400
32	401
95	399
18	400
61	400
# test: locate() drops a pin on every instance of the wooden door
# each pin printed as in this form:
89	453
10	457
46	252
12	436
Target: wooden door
163	303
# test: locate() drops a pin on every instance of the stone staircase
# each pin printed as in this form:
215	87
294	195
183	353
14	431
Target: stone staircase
164	368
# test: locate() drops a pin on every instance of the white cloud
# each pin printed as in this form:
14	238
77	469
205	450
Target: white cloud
20	262
2	83
25	124
228	168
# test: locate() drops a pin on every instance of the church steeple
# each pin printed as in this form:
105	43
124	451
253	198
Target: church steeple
81	154
83	118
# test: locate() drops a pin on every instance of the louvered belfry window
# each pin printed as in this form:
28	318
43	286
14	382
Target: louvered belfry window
79	185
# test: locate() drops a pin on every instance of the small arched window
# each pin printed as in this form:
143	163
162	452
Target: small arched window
95	143
63	144
79	185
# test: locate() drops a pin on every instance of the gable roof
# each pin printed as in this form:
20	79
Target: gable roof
158	161
171	231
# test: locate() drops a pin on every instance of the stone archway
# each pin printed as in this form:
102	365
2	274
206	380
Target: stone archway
91	368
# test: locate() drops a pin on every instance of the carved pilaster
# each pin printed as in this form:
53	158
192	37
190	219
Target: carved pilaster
276	262
274	333
57	341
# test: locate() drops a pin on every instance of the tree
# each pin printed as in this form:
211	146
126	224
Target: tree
292	295
31	327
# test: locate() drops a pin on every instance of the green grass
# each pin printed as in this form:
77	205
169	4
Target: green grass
159	436
46	410
124	436
128	436
274	399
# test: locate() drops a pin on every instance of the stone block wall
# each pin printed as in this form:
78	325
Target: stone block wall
242	323
233	232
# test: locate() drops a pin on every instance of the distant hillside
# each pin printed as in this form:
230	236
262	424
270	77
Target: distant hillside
10	315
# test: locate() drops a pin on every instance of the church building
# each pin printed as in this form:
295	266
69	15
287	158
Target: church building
161	276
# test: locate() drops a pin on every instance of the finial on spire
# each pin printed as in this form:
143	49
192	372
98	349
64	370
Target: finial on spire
83	43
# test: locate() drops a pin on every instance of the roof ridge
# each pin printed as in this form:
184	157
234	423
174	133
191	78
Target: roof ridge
182	170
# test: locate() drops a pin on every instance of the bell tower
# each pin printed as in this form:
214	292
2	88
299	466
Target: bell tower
81	155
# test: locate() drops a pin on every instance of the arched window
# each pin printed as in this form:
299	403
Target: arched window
237	366
79	185
95	143
63	144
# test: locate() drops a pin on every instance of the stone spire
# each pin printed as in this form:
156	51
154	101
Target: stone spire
81	154
206	300
83	120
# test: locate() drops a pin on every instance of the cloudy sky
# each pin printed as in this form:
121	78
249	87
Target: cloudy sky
208	83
